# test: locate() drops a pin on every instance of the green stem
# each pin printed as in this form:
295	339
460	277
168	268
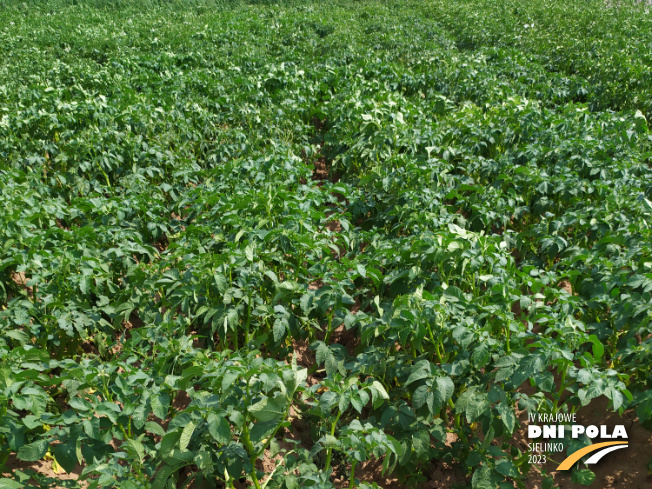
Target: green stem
438	352
252	456
507	348
352	481
437	344
561	390
248	323
249	447
254	477
328	328
329	452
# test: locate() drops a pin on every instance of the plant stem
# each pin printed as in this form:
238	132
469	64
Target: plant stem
252	455
329	452
561	390
507	348
254	478
328	329
352	481
248	323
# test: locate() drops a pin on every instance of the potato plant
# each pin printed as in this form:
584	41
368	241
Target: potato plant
384	222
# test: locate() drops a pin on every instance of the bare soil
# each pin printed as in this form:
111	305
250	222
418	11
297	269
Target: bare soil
44	470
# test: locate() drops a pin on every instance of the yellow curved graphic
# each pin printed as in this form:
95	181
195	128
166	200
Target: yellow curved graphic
574	457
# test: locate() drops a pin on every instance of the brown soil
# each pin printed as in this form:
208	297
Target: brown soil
302	353
316	285
20	279
322	171
61	225
370	471
566	285
334	226
299	430
123	335
349	339
162	244
443	476
44	470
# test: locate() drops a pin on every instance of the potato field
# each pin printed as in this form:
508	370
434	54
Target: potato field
346	244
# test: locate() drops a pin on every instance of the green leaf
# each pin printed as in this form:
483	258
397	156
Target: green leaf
279	329
170	440
417	375
177	457
34	451
269	408
483	478
506	468
10	484
249	252
154	428
186	435
616	397
421	443
65	455
135	449
160	405
507	416
229	378
598	347
261	431
480	356
332	366
445	388
219	428
420	396
583	476
291	482
220	282
162	477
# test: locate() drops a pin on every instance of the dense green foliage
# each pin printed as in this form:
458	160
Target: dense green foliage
165	250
